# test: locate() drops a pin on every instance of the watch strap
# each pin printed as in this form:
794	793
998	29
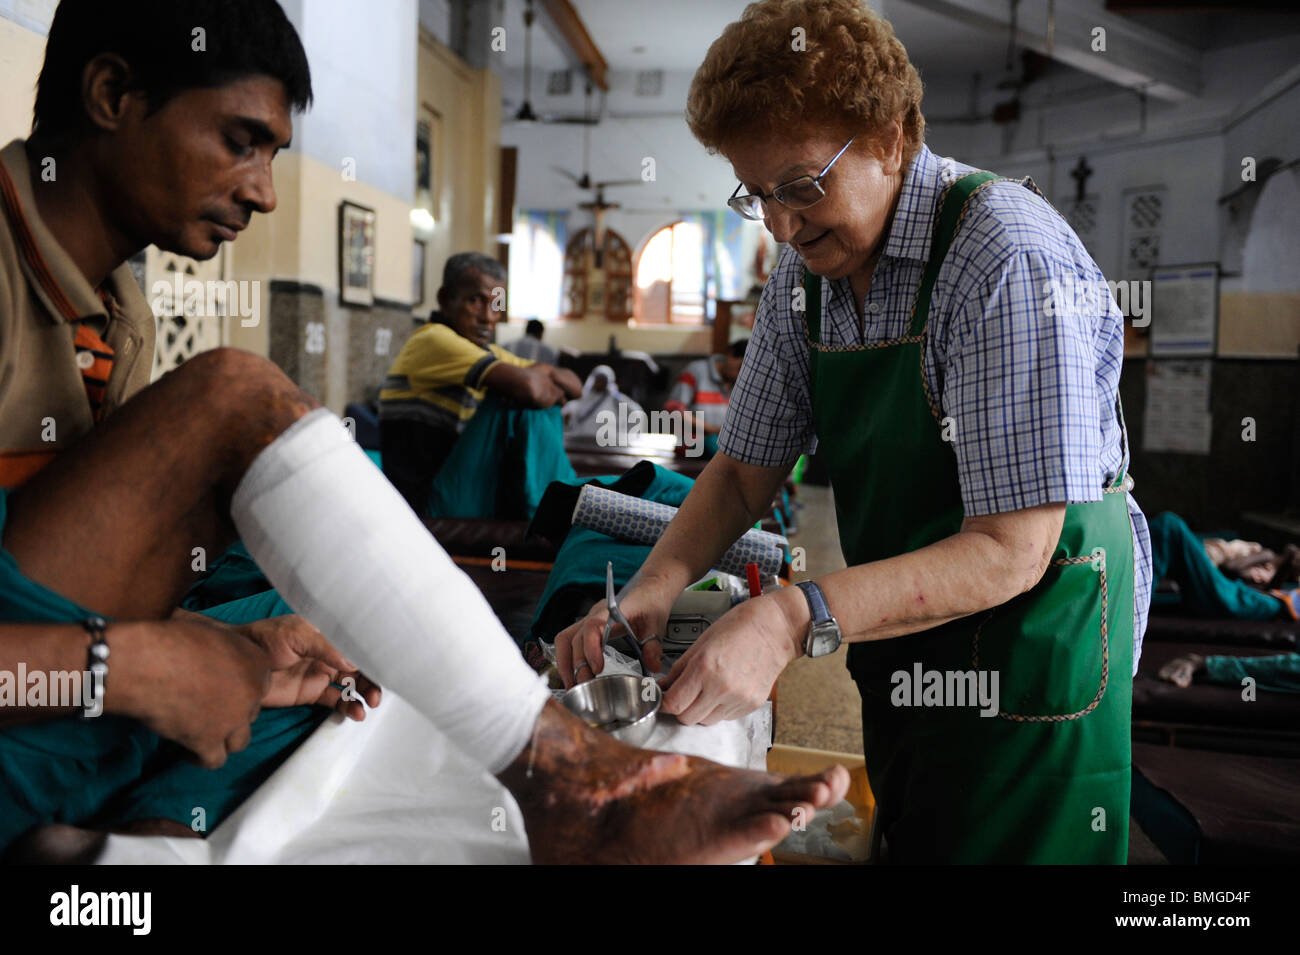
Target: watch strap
817	606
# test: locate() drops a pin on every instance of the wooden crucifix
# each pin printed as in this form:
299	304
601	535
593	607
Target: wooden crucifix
1080	174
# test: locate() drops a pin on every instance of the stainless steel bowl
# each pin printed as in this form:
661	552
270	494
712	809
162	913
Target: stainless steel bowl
617	704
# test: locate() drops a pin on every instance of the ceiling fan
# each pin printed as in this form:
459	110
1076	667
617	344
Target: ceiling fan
1032	65
585	181
526	113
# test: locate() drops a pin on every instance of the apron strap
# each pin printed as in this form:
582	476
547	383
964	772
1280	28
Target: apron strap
952	207
1121	476
812	304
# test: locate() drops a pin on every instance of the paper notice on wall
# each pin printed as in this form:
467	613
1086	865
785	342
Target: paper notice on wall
1178	407
1185	310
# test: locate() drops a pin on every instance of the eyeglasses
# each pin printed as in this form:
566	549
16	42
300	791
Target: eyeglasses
796	194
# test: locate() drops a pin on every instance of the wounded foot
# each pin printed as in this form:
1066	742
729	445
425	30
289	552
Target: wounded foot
592	799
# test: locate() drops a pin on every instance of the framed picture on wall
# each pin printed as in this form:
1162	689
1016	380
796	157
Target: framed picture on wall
423	157
419	255
356	254
428	170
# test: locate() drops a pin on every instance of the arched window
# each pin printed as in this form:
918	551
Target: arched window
670	276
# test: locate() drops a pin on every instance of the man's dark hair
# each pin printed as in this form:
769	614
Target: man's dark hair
534	328
460	265
157	38
737	348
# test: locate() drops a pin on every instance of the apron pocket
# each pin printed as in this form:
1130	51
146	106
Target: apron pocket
1049	646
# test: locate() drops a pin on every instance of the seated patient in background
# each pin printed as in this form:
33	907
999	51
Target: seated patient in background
531	345
446	368
583	416
703	391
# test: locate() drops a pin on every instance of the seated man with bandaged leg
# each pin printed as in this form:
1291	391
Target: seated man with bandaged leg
98	528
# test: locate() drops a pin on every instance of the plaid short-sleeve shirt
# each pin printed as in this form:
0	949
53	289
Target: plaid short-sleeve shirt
1022	353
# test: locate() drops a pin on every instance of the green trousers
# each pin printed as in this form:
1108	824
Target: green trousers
108	771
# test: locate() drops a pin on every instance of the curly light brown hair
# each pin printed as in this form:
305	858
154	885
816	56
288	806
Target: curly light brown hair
804	65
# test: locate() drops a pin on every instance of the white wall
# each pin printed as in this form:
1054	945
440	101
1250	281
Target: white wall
435	16
35	15
363	76
1260	303
22	50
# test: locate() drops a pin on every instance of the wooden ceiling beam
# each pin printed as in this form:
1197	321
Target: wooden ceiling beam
573	33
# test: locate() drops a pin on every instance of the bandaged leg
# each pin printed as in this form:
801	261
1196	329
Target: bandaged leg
347	553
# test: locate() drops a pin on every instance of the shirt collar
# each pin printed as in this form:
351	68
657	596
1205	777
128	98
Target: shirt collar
55	279
909	234
438	318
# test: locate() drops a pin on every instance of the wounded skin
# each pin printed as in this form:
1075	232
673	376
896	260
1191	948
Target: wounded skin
591	799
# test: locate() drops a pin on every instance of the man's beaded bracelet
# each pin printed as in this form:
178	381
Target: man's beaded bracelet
97	662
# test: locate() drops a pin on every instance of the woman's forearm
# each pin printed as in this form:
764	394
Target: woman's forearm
728	497
983	566
952	578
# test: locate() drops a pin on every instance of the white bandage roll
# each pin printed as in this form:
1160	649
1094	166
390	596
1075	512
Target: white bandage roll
639	521
347	554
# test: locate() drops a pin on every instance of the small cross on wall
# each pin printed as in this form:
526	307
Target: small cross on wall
1080	174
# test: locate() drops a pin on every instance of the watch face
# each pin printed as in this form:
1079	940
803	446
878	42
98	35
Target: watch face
824	639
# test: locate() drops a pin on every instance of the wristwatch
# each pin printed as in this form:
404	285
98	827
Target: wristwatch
824	630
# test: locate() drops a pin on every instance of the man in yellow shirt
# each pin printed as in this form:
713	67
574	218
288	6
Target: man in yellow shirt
446	368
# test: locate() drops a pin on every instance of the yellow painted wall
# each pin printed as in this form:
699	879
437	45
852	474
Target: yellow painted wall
1259	324
21	55
299	240
466	156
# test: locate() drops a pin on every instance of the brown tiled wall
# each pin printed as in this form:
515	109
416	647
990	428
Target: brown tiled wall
355	330
1211	492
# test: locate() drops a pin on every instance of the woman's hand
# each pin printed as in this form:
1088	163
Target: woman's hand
647	603
732	668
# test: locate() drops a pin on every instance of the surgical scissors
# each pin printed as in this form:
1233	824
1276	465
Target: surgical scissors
616	616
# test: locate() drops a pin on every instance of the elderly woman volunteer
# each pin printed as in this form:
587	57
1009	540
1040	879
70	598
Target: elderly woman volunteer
975	446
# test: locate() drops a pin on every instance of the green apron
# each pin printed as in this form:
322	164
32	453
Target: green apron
1046	780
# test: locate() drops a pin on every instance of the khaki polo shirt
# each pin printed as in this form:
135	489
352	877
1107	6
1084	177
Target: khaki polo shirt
44	408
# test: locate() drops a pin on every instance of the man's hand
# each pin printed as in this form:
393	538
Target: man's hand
196	682
731	669
566	381
304	665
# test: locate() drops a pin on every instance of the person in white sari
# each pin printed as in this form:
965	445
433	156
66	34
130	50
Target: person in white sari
582	416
